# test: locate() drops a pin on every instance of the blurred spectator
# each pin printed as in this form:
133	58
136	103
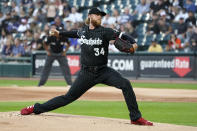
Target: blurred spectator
142	8
152	28
163	25
64	8
191	20
174	44
22	14
184	42
176	3
36	43
26	5
40	17
126	16
6	22
58	23
165	16
106	20
194	45
17	50
2	17
27	41
182	14
74	16
60	8
15	8
155	47
7	48
6	7
157	5
115	18
181	26
122	28
51	11
193	40
24	26
2	39
38	8
130	30
190	6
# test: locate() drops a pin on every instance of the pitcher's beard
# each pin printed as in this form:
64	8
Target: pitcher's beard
96	23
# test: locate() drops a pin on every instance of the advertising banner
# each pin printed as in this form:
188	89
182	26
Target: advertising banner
39	61
166	66
155	66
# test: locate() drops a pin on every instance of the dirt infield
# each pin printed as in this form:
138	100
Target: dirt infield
97	93
10	121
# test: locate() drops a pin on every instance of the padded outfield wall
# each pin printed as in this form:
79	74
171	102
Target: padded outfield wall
148	65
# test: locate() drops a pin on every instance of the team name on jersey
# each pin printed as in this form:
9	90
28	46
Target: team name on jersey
90	41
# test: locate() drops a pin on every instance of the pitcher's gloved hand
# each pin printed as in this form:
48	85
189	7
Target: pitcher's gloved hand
125	46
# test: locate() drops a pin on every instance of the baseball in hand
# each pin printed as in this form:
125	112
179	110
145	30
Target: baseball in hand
54	32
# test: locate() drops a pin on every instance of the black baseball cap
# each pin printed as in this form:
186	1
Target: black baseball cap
96	11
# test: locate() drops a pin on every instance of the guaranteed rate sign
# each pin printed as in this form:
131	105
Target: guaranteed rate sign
166	65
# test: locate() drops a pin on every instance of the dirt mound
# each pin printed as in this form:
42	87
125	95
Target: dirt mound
10	121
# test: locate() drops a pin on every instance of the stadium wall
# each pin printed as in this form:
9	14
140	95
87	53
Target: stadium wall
151	65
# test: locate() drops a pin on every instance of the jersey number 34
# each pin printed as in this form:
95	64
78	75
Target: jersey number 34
99	51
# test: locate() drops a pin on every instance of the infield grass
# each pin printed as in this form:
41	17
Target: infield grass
173	113
22	83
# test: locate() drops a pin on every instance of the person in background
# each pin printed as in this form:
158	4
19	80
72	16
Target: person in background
193	40
17	50
75	16
191	20
190	6
55	51
174	44
126	16
51	11
7	48
142	8
36	43
155	47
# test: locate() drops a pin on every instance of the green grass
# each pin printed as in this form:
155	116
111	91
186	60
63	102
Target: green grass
173	113
166	85
22	83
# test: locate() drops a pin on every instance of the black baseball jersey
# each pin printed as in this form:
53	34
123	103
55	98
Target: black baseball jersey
94	44
56	45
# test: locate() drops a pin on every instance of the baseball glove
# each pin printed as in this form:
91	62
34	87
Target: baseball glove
124	46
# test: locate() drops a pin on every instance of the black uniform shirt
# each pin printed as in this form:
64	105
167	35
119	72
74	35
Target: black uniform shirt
94	44
56	45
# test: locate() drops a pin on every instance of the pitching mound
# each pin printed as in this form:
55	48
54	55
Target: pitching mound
13	121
